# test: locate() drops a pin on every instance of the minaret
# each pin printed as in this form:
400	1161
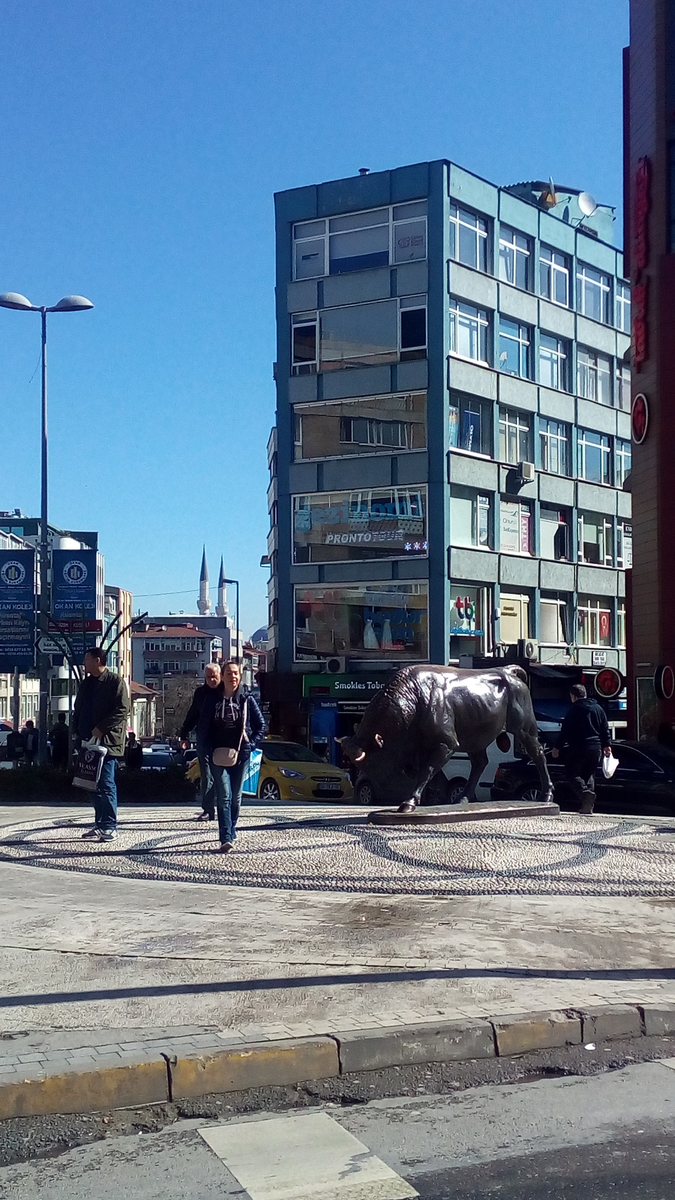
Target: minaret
204	602
221	607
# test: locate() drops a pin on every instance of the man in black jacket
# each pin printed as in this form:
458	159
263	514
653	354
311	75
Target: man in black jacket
585	734
200	716
101	712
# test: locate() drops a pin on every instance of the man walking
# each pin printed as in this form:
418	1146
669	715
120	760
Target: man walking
101	712
200	715
585	734
30	743
58	737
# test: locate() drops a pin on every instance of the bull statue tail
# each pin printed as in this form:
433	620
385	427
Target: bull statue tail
519	672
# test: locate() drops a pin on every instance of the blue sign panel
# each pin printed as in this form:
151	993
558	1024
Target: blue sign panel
73	584
17	610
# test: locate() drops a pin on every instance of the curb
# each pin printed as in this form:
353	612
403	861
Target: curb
268	1064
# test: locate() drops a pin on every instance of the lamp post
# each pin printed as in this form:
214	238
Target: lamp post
67	304
236	618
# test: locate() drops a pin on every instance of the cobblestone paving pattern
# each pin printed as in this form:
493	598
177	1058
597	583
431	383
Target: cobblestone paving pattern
569	855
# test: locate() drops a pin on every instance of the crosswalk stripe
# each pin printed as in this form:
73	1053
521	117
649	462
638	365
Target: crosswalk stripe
303	1156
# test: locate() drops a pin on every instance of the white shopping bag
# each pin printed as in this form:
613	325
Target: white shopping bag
89	765
609	765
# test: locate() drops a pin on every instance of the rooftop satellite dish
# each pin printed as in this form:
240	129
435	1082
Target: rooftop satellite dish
587	204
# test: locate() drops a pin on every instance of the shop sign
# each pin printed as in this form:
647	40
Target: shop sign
639	291
345	687
640	418
463	617
608	683
73	584
664	683
598	658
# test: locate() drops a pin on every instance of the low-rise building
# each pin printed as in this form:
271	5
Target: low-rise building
170	660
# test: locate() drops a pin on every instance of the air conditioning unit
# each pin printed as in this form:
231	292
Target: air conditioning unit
526	472
528	648
336	666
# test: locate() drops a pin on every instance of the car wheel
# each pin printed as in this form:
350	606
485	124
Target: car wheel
269	790
530	793
363	793
456	790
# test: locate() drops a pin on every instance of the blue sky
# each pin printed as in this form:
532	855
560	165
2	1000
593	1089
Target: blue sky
141	144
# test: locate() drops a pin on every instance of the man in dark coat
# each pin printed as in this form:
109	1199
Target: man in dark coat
30	743
200	717
101	713
585	736
133	754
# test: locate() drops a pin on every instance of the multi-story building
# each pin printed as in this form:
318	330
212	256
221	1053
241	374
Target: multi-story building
117	619
453	429
170	659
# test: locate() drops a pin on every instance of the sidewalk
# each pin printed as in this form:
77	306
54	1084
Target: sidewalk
102	969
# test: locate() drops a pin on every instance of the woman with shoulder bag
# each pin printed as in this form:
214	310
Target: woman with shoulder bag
237	728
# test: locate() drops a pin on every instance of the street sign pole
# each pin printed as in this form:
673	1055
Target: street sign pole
43	621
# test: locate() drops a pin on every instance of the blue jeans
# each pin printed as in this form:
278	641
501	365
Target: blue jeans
105	796
227	782
206	783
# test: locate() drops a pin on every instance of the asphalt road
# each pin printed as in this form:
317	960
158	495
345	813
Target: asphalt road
574	1138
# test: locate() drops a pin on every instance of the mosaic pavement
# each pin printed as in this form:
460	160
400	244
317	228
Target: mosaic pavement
570	855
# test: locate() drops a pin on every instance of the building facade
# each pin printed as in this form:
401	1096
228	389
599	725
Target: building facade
649	210
118	604
170	660
452	439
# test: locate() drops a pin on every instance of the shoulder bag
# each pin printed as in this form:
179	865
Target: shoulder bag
226	756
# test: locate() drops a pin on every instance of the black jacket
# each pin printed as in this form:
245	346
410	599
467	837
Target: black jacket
585	725
103	704
223	735
200	712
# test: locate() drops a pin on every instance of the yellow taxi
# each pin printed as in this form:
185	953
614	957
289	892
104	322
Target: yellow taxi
289	771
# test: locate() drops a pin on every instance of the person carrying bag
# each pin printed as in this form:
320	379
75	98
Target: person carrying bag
237	729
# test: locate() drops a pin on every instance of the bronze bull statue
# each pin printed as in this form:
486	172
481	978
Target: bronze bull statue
424	714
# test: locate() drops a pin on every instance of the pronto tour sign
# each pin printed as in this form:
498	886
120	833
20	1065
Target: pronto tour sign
17	610
73	584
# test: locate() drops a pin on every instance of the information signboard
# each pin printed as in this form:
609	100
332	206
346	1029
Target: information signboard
17	610
73	584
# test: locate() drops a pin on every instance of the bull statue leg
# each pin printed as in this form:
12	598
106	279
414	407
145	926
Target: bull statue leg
436	762
479	761
532	744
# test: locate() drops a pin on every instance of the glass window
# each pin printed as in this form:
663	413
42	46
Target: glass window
304	343
515	436
367	620
554	276
515	527
413	329
552	362
514	348
470	518
359	335
622	461
361	426
468	237
593	293
594	376
553	615
514	257
468	331
594	619
623	387
623	306
595	540
360	241
360	525
470	423
554	534
594	456
621	624
624	545
555	440
514	621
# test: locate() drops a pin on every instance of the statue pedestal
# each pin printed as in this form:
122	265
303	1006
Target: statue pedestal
454	814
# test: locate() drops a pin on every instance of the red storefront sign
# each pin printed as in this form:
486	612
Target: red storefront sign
640	418
639	295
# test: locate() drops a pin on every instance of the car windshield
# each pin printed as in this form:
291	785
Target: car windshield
157	758
289	752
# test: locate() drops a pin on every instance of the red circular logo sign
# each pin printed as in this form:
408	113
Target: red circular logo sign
664	683
640	418
608	683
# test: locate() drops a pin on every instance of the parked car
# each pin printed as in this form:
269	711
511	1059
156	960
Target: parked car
289	771
5	730
644	778
158	758
447	787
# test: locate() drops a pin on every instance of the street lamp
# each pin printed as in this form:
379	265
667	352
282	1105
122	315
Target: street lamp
67	304
236	619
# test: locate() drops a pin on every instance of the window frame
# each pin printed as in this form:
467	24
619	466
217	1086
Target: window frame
393	223
594	607
525	521
522	338
467	403
624	543
605	453
355	404
482	517
511	249
559	355
378	588
622	393
563	522
459	309
623	453
548	438
481	236
313	319
520	421
357	505
595	370
605	527
603	283
552	269
622	301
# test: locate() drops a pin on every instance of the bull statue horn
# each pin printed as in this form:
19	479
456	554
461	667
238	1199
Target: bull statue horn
339	741
379	740
358	757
